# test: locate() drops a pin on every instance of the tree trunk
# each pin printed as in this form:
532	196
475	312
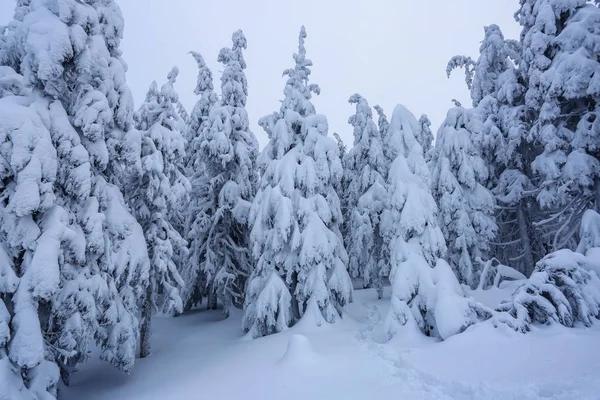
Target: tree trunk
211	298
296	312
379	287
145	333
525	241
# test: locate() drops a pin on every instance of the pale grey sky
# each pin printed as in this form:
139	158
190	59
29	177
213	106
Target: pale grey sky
389	51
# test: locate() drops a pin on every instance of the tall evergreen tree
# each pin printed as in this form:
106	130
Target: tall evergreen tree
197	216
562	63
30	278
365	169
410	226
466	206
300	270
497	92
229	151
342	186
94	252
155	194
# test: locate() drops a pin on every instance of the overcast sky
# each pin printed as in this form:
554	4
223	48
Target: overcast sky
389	51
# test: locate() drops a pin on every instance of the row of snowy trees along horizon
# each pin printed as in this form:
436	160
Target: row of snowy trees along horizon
110	215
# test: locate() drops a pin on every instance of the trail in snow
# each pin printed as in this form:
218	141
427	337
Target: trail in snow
370	337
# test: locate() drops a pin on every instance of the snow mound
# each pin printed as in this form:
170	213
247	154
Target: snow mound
299	352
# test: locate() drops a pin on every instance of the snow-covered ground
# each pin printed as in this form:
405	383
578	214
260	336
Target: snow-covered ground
199	355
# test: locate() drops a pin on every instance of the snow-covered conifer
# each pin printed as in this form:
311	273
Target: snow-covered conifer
410	227
564	91
155	195
220	222
365	169
466	206
197	217
30	246
69	56
497	92
559	63
342	186
300	270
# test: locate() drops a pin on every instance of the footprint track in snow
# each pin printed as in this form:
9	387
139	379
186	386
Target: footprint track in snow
416	383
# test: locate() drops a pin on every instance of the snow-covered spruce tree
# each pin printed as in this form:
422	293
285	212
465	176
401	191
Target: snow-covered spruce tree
563	68
466	206
229	151
430	300
75	71
30	273
197	208
155	194
365	169
497	91
425	137
342	186
409	225
300	270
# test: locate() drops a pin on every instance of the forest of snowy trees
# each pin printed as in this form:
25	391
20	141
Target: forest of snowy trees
112	213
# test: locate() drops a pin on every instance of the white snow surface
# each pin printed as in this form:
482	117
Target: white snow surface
194	354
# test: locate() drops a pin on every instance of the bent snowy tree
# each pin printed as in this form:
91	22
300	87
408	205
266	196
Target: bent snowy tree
564	288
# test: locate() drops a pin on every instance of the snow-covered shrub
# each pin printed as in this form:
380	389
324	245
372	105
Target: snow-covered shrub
431	301
454	312
561	290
